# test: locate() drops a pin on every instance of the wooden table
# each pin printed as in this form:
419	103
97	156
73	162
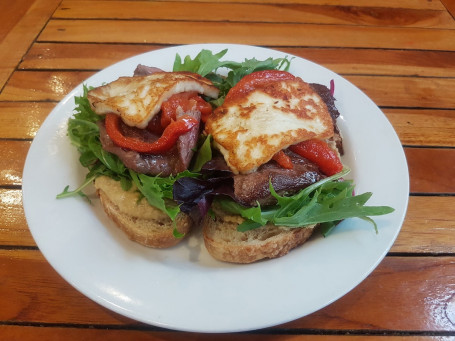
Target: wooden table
399	52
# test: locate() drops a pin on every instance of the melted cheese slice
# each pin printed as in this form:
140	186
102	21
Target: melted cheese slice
251	128
137	99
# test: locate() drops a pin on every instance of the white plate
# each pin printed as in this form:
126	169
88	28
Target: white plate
184	288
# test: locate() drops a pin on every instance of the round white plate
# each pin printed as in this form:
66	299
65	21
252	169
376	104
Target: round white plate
184	288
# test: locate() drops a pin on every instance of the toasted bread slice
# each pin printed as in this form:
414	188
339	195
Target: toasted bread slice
225	243
140	221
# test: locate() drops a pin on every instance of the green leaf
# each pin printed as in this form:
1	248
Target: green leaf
325	202
206	64
203	155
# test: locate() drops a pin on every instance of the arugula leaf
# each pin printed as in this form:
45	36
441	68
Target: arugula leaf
327	201
206	64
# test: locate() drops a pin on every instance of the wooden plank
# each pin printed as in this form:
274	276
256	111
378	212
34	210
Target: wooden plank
427	282
427	166
11	13
21	120
172	32
12	161
414	92
19	38
380	62
418	127
343	61
89	56
41	86
70	333
384	91
408	293
13	226
247	12
450	6
415	4
429	226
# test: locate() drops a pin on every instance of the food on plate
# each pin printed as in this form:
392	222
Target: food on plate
246	150
265	112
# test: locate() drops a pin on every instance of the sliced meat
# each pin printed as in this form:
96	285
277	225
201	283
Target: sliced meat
254	187
143	70
170	163
329	100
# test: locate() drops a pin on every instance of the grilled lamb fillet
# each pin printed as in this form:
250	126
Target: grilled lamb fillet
170	163
254	187
329	101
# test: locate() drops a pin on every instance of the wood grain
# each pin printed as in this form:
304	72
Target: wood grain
12	161
421	127
428	282
274	34
19	38
429	226
247	12
21	120
382	301
343	61
450	6
13	226
80	56
426	166
415	4
407	91
41	85
29	333
11	13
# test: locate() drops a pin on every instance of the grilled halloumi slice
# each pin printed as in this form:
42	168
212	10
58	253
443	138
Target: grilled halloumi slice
250	128
137	99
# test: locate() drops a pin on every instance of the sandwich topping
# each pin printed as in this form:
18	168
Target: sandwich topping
259	140
152	119
138	99
261	117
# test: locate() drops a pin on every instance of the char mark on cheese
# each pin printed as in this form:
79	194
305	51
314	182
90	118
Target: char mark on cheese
170	163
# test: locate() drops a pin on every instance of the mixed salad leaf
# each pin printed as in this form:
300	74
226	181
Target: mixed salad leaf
327	201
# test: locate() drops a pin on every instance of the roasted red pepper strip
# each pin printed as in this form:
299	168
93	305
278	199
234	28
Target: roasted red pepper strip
321	154
283	160
256	79
163	144
204	107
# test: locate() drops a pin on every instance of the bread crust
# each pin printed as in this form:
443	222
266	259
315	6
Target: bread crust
141	222
225	243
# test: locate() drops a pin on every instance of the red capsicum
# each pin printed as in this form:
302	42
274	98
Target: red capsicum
255	80
321	154
283	160
167	140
